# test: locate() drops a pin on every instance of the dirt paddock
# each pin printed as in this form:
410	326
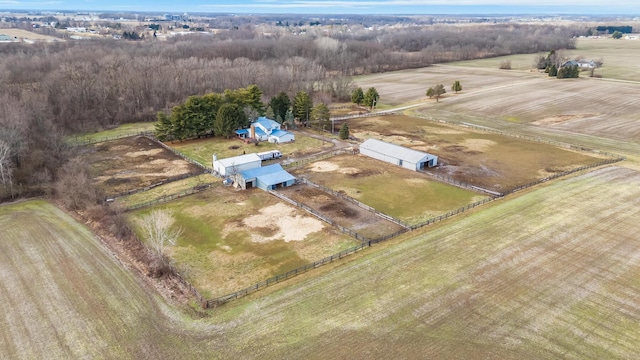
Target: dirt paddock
132	163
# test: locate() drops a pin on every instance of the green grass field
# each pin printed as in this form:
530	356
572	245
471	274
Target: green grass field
117	132
202	150
223	250
406	195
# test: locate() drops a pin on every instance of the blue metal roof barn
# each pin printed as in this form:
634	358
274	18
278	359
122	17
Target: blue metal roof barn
266	178
398	155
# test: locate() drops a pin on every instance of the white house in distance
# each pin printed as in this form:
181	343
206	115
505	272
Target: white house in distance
235	165
265	129
398	155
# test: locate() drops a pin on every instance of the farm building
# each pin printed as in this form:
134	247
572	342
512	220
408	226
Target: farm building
236	164
398	155
265	129
266	178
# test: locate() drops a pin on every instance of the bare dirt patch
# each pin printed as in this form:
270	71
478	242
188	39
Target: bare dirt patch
283	223
553	120
324	166
341	211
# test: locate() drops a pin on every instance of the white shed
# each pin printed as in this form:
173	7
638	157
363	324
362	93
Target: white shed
236	164
398	155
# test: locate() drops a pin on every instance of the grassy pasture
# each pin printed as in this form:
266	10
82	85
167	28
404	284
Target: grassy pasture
550	274
406	195
171	188
121	130
490	161
342	212
202	150
132	163
233	239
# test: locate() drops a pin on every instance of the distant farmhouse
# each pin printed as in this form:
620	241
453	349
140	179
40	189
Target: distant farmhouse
584	64
398	155
265	129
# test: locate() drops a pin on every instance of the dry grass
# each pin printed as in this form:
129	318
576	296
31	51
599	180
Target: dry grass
28	35
233	239
490	161
132	163
407	195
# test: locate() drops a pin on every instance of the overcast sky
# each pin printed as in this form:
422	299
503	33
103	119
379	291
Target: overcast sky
625	7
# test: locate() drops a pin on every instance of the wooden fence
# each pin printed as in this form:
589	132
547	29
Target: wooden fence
170	197
88	140
355	202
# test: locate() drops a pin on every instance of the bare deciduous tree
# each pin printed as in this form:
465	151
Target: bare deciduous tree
157	227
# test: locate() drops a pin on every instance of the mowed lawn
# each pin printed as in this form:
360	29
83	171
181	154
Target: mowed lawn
202	150
404	194
487	160
233	239
550	274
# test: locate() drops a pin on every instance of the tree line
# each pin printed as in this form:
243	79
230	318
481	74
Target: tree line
49	90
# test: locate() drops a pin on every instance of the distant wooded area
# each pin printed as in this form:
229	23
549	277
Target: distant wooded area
49	90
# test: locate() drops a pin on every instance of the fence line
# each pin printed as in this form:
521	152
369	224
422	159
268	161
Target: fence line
166	198
147	188
460	184
315	158
347	117
86	140
536	139
313	212
178	153
355	202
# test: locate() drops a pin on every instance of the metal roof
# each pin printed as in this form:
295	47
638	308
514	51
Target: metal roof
267	123
396	151
242	131
279	133
270	175
239	160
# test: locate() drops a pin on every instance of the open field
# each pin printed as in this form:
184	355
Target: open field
119	131
342	212
409	86
202	150
620	58
233	239
490	161
65	297
133	163
28	35
494	284
406	195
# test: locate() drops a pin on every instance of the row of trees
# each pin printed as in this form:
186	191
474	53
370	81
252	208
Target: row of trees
368	99
439	90
217	114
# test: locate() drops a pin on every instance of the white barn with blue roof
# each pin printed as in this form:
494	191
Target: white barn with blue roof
266	178
398	155
265	129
